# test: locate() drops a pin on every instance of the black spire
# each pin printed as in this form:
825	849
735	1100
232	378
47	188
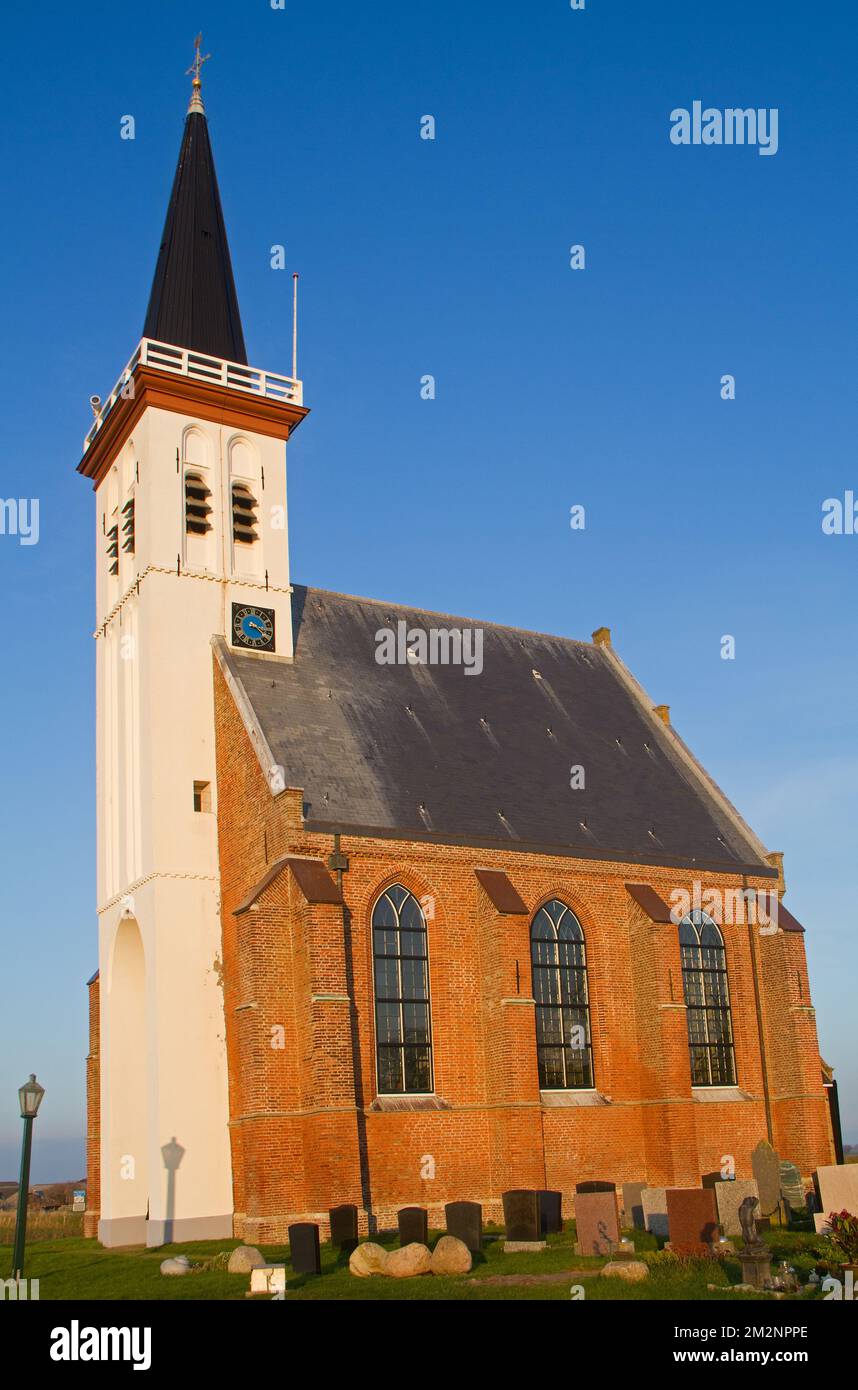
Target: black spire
193	303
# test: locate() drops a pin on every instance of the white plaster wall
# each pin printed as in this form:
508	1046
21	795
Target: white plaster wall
157	857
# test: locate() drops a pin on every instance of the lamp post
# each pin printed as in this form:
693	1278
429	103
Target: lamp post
30	1096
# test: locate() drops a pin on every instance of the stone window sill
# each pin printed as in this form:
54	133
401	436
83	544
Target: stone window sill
719	1093
555	1100
391	1104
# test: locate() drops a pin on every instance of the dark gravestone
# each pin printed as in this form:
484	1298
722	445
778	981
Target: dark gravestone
633	1205
464	1220
344	1227
550	1212
597	1219
792	1187
710	1179
596	1186
692	1219
413	1225
304	1248
521	1215
767	1172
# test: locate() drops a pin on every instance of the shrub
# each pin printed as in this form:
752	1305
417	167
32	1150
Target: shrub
844	1235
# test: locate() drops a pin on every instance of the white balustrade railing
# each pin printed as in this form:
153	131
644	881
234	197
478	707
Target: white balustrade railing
163	357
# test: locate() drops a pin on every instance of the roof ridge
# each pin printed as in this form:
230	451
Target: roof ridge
458	617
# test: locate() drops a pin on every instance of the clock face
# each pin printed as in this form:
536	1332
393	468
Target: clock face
253	627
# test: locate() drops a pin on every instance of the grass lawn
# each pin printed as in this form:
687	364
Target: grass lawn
74	1268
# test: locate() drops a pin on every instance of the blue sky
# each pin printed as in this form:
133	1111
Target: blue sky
554	388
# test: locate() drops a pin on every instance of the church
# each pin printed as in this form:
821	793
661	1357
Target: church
386	930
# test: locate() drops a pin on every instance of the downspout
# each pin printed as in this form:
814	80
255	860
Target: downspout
338	863
764	1066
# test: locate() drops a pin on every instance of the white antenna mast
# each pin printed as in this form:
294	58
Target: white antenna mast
295	326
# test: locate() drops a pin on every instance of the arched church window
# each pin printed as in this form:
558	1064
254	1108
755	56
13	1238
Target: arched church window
707	1001
403	1030
559	963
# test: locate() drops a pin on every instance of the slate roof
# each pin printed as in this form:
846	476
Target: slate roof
428	752
193	303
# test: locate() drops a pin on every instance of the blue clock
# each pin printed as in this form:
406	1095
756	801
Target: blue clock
253	627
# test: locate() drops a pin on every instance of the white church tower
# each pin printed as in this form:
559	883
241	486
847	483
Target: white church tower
188	461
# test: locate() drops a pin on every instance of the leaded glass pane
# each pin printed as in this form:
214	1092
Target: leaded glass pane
414	981
388	1023
410	916
384	914
389	1070
418	1069
385	941
415	1022
551	1068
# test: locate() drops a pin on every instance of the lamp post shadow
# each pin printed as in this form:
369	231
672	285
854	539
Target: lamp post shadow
172	1155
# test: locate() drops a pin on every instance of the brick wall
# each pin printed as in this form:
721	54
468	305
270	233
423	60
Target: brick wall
308	1131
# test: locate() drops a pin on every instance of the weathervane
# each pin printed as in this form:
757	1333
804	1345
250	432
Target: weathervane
199	59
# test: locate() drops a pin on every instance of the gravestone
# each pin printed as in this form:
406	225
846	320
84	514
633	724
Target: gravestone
767	1174
837	1187
792	1187
465	1221
550	1212
728	1198
632	1204
304	1248
710	1179
692	1219
344	1227
521	1218
413	1225
597	1221
654	1203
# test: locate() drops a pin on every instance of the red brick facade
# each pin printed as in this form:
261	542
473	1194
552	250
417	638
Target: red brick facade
308	1130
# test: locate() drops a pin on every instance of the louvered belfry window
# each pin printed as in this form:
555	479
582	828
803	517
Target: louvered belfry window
244	520
707	1001
197	505
113	547
128	538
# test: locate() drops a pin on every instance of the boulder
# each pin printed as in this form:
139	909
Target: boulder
368	1259
409	1260
632	1270
451	1256
180	1264
244	1259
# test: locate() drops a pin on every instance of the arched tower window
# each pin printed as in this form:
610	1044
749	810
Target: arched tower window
707	1000
559	961
403	1030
